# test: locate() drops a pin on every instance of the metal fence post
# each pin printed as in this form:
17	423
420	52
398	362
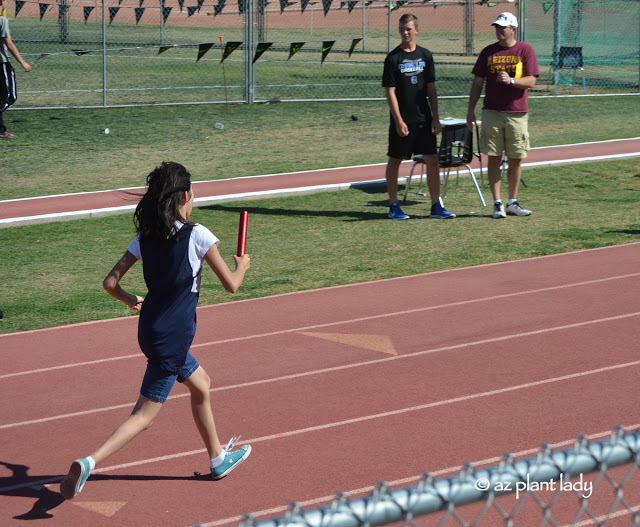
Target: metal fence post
522	10
104	54
249	49
468	27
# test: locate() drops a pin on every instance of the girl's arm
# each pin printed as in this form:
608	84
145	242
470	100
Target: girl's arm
230	280
112	282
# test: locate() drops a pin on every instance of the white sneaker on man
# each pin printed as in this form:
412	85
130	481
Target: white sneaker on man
514	209
498	210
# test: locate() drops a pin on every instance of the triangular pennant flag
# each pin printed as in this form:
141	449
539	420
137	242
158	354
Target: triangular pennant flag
218	9
200	2
303	5
545	6
62	11
229	49
202	49
260	49
79	52
165	13
400	3
139	11
19	4
181	4
354	43
241	7
436	4
490	4
284	4
164	48
351	5
191	10
326	4
141	2
294	48
326	48
87	11
113	11
43	10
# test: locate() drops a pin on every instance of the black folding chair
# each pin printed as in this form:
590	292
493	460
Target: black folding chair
456	150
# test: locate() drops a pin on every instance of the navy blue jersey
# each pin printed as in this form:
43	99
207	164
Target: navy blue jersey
167	322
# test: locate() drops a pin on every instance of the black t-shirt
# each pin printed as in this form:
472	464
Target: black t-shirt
409	72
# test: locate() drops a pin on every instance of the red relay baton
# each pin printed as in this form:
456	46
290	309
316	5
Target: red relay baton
242	233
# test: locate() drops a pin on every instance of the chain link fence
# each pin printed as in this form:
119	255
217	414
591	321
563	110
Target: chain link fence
134	52
589	484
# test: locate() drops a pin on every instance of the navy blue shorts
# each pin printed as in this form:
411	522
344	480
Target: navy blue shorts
420	140
157	383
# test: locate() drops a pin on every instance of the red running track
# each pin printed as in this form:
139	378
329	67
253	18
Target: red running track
49	208
335	389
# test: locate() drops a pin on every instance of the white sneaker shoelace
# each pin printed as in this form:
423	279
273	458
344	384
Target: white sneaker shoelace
231	444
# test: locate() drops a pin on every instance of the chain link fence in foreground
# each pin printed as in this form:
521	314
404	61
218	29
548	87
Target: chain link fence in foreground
592	483
133	52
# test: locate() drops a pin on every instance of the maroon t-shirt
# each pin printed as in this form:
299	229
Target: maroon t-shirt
519	61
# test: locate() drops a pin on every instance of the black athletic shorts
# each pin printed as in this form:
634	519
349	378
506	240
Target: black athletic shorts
420	140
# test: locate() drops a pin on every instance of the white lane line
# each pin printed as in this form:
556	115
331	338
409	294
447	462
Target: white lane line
337	368
337	323
355	420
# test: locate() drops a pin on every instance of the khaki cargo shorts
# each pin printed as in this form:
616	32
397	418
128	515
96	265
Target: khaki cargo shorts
504	132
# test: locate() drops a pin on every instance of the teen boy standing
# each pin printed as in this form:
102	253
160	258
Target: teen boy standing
409	79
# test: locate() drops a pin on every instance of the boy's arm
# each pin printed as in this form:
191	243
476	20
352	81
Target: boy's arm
394	108
14	51
432	95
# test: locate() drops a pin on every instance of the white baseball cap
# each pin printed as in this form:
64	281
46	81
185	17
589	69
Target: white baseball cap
506	19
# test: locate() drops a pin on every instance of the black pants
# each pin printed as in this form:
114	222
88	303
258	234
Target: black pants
8	93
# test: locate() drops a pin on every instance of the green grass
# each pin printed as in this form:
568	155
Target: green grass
63	151
52	273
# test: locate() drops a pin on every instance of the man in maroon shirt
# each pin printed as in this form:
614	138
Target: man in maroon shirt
510	68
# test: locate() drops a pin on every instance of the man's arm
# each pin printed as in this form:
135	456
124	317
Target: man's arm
474	96
523	83
394	108
11	47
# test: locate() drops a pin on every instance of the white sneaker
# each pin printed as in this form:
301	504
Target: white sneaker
498	210
516	210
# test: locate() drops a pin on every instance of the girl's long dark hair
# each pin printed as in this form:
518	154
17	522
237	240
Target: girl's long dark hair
158	210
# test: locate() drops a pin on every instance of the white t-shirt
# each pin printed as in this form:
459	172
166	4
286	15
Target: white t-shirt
201	240
4	33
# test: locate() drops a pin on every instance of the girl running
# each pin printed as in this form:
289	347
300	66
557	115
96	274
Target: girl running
172	250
